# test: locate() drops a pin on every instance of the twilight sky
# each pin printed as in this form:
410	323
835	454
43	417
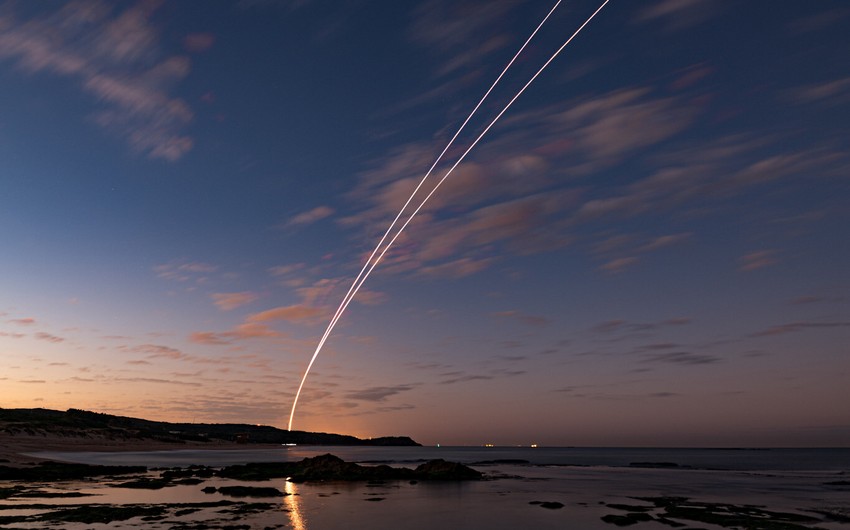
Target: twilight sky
650	248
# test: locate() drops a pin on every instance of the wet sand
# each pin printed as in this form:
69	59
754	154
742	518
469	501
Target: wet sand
13	448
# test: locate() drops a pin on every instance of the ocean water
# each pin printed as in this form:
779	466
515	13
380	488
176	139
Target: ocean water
584	480
820	459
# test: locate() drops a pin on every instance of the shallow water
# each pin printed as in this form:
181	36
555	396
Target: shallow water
777	481
725	459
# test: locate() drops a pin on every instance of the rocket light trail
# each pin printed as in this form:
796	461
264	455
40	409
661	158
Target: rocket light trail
370	263
358	281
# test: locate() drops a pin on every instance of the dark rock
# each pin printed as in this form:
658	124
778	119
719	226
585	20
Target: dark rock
210	489
549	505
249	491
728	515
443	470
630	507
41	494
619	520
89	514
328	467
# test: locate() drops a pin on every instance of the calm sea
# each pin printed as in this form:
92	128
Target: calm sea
821	459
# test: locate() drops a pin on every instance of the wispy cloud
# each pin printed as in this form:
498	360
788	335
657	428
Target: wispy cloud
198	42
665	241
798	326
310	216
378	393
230	301
678	14
182	271
835	91
23	321
462	32
530	320
208	338
157	351
247	330
507	200
113	54
619	264
682	358
757	260
618	325
156	380
460	377
821	21
48	337
290	313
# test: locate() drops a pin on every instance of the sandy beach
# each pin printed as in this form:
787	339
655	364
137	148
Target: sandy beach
14	448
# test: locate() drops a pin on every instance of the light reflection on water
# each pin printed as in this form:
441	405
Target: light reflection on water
293	502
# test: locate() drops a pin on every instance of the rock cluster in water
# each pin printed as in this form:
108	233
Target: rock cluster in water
328	467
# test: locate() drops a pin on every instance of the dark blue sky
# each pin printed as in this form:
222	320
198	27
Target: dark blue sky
649	248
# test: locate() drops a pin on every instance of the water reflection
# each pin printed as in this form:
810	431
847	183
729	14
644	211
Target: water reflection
293	503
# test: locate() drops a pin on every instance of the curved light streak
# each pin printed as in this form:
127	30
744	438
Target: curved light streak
361	277
355	286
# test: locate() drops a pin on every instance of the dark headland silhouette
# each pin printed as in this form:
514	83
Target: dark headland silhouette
75	423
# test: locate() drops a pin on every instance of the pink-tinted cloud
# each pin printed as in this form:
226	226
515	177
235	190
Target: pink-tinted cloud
619	265
461	33
379	393
757	260
834	91
678	14
252	330
139	362
23	321
48	337
291	313
158	351
207	337
691	76
457	268
665	241
286	270
182	271
108	49
198	42
624	121
230	301
311	216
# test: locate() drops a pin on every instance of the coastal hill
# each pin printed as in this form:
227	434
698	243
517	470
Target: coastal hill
76	424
